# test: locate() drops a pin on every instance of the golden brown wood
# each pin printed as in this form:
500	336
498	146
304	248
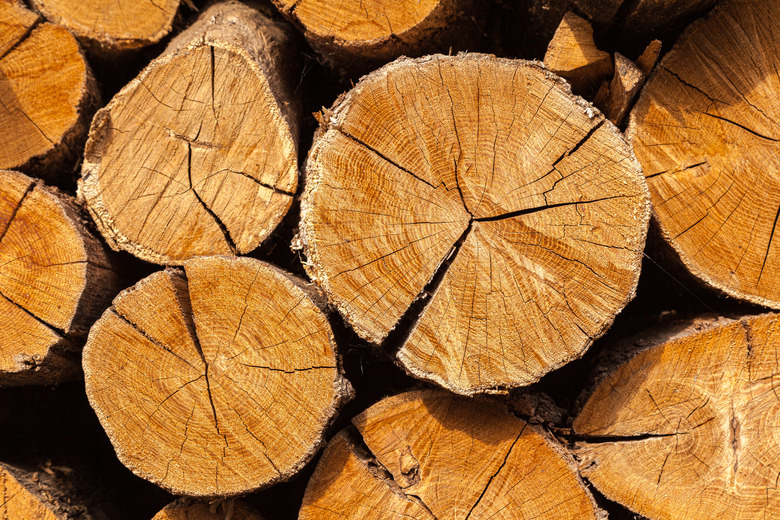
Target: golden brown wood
356	37
198	154
705	130
36	495
484	190
190	509
47	94
215	381
617	97
649	57
572	54
110	26
55	280
687	429
428	454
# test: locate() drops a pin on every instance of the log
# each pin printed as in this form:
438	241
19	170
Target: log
215	381
190	509
704	130
198	154
617	97
687	427
428	454
573	55
649	57
30	494
47	93
357	37
55	280
476	207
106	27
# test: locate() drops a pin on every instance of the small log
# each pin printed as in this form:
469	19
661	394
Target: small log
705	130
190	509
354	38
55	280
47	94
617	97
30	494
107	27
429	454
572	54
216	381
507	210
687	427
198	154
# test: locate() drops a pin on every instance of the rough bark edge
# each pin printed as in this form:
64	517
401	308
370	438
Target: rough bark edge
679	255
452	23
52	491
100	43
60	162
332	120
286	114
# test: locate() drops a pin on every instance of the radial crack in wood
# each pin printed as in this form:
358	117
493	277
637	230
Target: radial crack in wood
430	455
47	94
108	27
705	130
55	280
198	154
485	189
687	427
216	384
357	37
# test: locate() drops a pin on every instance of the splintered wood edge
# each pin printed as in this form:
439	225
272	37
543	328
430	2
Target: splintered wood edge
89	192
312	179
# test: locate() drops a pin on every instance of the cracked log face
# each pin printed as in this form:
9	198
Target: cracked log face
475	204
108	26
360	36
189	509
55	280
216	381
197	155
688	428
429	454
706	132
47	91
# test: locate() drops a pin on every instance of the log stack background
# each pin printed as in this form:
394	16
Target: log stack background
53	444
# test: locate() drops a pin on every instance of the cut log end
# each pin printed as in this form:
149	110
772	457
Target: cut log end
106	27
38	495
428	454
706	133
198	155
688	427
456	183
56	278
49	94
190	509
216	381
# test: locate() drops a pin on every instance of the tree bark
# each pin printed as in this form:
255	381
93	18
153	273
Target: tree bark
686	427
477	207
190	509
48	94
106	27
572	54
429	454
705	132
216	381
56	279
357	37
198	154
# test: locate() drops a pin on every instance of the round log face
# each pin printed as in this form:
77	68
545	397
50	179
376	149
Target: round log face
429	454
215	384
688	429
705	131
45	87
194	157
486	184
111	24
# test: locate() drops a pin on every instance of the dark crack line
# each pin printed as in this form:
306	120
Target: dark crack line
768	246
596	439
29	189
293	371
60	332
513	214
569	153
208	210
23	37
151	339
743	127
256	181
